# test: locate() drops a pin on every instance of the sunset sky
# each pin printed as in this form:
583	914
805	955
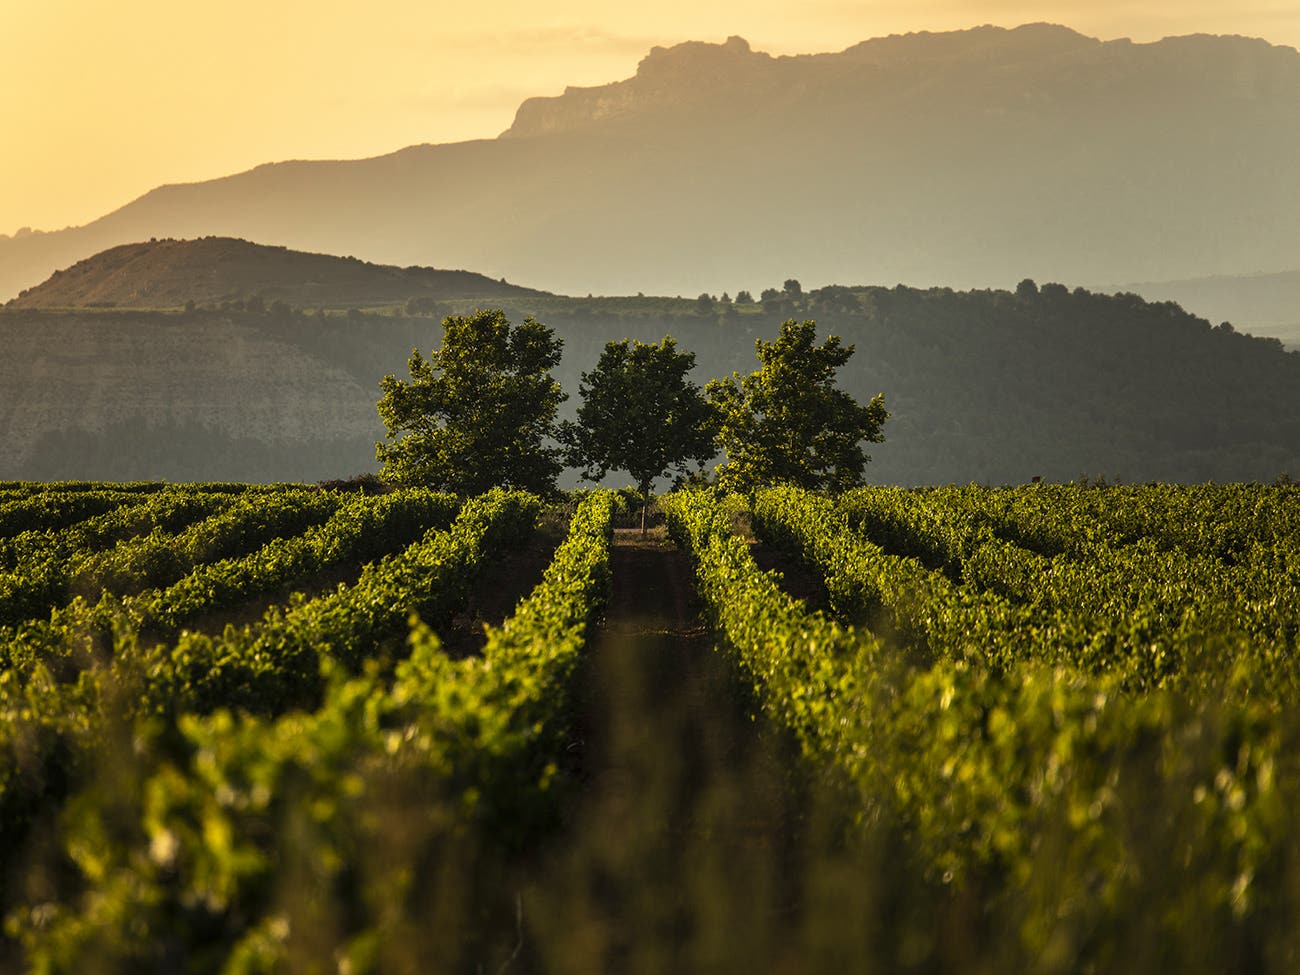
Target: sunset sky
103	101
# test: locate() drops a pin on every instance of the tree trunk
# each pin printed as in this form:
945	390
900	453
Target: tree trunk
645	504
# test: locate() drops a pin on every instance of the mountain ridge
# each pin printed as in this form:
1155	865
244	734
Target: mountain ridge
966	159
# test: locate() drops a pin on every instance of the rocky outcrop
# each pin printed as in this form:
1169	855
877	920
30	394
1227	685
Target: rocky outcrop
667	79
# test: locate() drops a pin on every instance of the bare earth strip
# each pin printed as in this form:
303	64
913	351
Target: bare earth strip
686	826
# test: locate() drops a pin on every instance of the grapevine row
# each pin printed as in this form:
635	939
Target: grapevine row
1050	781
275	664
270	667
158	558
1232	523
895	596
45	567
394	770
169	510
1149	616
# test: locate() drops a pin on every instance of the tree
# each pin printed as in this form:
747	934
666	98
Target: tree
775	302
479	413
788	422
424	305
640	414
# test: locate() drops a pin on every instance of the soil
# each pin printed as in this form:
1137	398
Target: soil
501	585
680	796
794	575
654	673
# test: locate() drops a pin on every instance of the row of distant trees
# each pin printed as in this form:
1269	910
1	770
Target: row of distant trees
257	305
790	299
481	411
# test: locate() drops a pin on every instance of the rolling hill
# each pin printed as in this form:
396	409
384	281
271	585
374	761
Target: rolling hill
969	158
211	270
1264	304
991	386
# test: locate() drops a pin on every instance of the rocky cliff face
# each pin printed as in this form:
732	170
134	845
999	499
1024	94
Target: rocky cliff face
1037	67
667	79
119	382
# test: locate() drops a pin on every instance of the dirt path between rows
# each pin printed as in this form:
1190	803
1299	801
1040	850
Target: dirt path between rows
682	832
652	661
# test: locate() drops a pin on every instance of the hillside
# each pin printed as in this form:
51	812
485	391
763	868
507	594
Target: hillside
1263	304
988	386
970	158
212	270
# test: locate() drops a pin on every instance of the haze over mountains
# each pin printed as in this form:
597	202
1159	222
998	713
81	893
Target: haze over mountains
961	160
1267	304
964	159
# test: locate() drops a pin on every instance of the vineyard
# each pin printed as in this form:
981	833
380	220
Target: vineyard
1050	728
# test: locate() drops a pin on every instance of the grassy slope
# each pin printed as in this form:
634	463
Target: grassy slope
162	274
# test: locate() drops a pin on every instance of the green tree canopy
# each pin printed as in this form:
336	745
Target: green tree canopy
640	414
788	422
479	413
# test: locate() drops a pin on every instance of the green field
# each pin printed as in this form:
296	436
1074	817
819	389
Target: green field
1049	728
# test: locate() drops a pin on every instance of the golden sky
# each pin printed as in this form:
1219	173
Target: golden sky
104	99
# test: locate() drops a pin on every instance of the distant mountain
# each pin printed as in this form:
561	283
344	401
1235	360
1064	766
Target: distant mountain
1262	304
211	270
967	158
989	386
